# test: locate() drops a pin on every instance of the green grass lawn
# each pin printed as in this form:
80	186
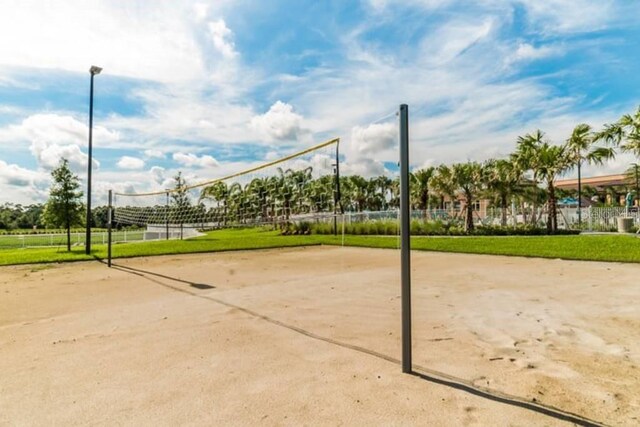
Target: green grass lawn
584	247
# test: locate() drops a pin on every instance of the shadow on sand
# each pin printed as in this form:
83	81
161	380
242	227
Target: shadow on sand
417	371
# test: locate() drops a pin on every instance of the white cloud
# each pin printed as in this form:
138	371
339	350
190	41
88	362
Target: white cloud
54	136
49	156
12	174
464	102
149	40
272	155
183	112
220	35
453	38
56	128
363	167
128	162
21	185
373	138
280	123
201	10
381	5
462	105
528	52
192	160
548	16
153	153
561	16
158	174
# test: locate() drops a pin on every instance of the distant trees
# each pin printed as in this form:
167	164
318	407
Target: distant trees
179	198
503	180
468	181
420	187
64	208
526	178
180	209
17	216
624	133
444	184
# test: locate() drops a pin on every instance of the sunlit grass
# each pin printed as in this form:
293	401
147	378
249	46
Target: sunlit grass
583	247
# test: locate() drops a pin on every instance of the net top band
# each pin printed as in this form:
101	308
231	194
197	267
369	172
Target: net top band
246	171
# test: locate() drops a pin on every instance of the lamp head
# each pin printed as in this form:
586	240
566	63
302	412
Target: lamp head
94	70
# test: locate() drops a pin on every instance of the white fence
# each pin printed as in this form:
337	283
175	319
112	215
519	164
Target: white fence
601	219
593	218
8	241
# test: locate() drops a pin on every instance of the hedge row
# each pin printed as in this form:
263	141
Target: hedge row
419	228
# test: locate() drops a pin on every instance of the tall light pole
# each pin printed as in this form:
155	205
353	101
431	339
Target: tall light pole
93	71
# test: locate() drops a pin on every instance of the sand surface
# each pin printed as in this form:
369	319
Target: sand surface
302	337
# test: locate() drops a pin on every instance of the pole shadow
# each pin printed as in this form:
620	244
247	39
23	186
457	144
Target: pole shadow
417	371
145	273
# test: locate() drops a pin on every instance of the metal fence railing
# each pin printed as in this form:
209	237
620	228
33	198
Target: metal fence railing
601	219
11	241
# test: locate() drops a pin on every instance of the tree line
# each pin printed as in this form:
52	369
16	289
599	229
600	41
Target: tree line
15	216
526	177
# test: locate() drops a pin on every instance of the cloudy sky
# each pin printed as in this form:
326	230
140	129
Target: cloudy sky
212	87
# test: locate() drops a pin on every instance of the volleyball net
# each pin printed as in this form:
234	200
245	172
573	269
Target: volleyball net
303	186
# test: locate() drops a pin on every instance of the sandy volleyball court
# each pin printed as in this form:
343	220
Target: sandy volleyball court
309	335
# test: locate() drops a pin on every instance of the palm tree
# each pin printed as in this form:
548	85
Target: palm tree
320	191
420	190
444	184
237	201
551	161
468	179
546	161
633	177
374	199
218	192
298	181
503	179
257	196
347	193
394	189
383	187
625	133
525	158
359	185
580	148
283	192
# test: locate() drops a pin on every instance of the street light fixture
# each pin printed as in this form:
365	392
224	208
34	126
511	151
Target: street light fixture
93	71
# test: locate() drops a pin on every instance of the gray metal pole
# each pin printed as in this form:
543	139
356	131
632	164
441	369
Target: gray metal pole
338	177
405	246
336	191
579	196
166	211
335	201
87	243
637	186
109	227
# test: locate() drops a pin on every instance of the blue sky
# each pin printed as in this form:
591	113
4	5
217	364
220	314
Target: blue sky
213	87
